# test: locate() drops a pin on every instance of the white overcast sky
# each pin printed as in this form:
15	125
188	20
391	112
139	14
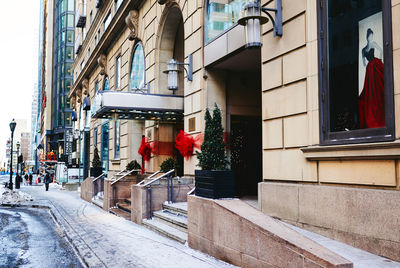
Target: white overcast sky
19	24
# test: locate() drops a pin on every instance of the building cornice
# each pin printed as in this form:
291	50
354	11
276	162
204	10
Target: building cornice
116	27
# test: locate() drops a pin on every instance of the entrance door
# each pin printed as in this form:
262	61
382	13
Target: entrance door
246	153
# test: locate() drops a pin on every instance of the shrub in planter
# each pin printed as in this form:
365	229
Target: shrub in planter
96	169
168	164
214	180
133	165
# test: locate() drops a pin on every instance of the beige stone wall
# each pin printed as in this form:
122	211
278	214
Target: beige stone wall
151	22
291	110
363	218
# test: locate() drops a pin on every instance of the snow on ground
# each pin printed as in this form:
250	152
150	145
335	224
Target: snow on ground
15	197
110	241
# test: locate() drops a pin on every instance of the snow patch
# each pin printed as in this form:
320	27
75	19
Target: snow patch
8	197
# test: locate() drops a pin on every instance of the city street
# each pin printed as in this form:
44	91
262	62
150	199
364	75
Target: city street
105	240
29	238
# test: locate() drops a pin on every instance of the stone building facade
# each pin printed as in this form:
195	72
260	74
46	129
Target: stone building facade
308	163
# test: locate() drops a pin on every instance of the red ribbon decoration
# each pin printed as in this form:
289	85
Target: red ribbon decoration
144	151
186	143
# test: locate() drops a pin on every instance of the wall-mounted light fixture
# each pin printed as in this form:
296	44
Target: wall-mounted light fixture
252	20
173	70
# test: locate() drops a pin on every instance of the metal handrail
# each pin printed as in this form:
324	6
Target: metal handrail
119	173
160	177
95	179
123	176
149	194
191	191
149	177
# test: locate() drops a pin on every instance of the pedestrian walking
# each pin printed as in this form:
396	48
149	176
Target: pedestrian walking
26	179
30	179
47	180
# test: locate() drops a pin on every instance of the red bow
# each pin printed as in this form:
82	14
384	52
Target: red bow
186	143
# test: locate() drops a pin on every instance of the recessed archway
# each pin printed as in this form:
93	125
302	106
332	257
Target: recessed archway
171	45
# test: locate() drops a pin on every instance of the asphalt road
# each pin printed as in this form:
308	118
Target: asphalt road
30	238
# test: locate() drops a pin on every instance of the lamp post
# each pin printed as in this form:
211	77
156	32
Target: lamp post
17	180
252	21
12	128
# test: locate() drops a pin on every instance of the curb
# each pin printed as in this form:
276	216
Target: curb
86	256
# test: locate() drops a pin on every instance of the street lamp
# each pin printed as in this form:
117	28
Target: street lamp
252	20
17	182
172	72
12	128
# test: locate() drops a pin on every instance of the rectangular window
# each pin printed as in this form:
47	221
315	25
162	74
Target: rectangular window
82	64
107	21
118	72
356	72
117	136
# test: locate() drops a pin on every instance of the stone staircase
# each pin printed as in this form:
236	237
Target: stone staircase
171	221
122	209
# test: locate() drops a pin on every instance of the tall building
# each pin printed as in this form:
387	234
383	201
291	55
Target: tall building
25	142
34	119
310	113
57	54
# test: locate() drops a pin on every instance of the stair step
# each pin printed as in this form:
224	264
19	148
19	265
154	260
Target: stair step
98	202
120	213
128	201
166	230
177	208
173	220
124	206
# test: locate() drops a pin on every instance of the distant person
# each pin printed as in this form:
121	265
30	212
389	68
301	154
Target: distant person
30	179
26	179
47	180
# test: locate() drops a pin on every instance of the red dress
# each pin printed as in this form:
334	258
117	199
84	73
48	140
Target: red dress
371	103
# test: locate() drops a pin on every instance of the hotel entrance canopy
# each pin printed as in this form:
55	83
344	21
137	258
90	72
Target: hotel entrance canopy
137	106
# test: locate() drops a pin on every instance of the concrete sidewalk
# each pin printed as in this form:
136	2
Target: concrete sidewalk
104	240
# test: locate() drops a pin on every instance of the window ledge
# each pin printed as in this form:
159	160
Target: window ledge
380	150
115	161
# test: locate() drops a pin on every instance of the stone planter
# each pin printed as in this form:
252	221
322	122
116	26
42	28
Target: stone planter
215	183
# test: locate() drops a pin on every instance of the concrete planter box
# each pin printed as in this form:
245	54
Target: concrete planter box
215	183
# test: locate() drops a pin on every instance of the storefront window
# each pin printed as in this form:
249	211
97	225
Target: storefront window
137	73
221	15
357	83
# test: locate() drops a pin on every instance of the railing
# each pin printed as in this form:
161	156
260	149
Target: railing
98	184
80	16
151	176
191	191
123	176
149	195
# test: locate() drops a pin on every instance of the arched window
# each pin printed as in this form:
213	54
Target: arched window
106	85
137	72
221	16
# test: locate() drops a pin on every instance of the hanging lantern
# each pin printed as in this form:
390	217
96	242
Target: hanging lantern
252	21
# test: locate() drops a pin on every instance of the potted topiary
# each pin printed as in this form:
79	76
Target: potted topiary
133	165
169	164
215	179
96	169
